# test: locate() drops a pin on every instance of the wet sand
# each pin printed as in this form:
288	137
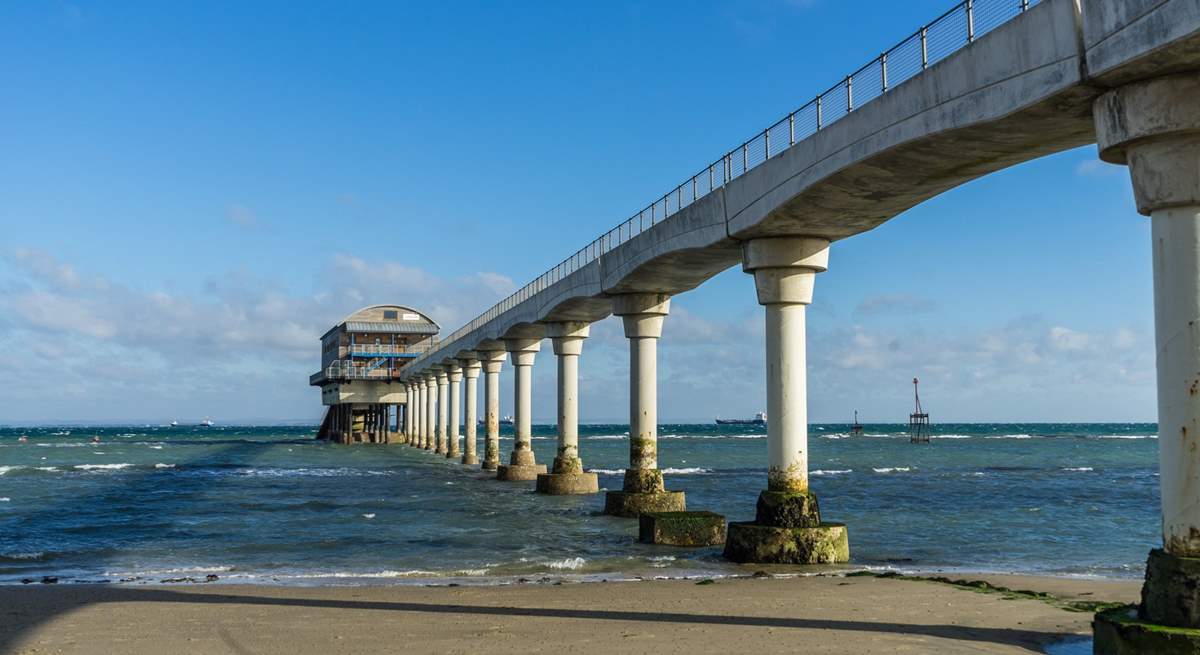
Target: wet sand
814	614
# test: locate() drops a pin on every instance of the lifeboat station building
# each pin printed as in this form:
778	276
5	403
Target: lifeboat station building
361	361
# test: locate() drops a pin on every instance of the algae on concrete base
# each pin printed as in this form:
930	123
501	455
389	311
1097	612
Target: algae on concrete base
632	505
682	528
786	509
827	543
565	484
517	473
1171	593
1119	631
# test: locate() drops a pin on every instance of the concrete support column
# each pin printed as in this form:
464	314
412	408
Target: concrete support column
430	411
643	490
521	464
408	413
492	361
443	381
471	369
454	372
787	526
567	475
1154	127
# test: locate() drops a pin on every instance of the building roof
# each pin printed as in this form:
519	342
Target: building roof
423	327
393	319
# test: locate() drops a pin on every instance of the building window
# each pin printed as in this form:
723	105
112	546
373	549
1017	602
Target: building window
390	315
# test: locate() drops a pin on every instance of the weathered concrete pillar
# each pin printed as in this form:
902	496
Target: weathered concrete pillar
787	527
521	464
408	412
430	410
471	368
443	381
454	372
1154	127
567	475
643	490
492	356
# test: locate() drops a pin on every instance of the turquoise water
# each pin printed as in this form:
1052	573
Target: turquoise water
271	505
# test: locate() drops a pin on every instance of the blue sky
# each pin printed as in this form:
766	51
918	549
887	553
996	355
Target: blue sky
191	194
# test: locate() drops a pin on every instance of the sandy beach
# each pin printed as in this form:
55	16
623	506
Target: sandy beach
826	614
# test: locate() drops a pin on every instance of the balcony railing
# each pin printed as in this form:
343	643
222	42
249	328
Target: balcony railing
950	32
389	350
346	370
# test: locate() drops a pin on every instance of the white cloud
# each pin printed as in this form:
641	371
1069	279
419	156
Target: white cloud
128	350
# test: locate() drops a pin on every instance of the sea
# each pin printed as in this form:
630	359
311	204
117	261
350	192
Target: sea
271	505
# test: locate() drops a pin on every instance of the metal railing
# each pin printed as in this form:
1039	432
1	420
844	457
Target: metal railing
947	34
385	349
345	370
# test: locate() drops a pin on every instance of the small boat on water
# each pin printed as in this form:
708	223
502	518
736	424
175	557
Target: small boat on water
207	422
507	420
759	419
174	424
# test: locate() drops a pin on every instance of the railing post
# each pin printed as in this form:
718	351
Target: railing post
678	197
819	113
792	129
849	94
767	144
970	20
924	48
1024	5
883	71
693	188
745	157
710	177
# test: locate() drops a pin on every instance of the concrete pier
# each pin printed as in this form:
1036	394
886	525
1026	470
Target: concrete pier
787	526
1154	128
430	411
521	465
454	372
567	476
643	490
443	381
491	356
470	366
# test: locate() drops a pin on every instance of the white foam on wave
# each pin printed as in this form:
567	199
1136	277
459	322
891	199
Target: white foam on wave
1078	468
831	471
689	470
369	516
951	436
156	447
608	471
608	437
570	563
6	469
836	435
892	469
32	555
164	466
1128	436
1009	436
101	467
5	499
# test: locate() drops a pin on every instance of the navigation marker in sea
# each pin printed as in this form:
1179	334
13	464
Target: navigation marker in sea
918	421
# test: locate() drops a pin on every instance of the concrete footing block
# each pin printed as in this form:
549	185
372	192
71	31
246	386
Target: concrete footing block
519	473
470	460
490	465
1171	592
565	484
1119	631
633	504
827	543
681	528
